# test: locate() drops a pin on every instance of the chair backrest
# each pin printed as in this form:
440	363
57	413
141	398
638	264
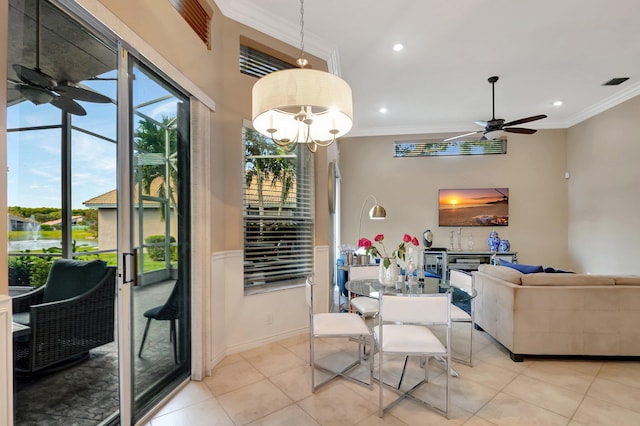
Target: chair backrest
171	308
461	280
363	272
309	292
433	309
70	278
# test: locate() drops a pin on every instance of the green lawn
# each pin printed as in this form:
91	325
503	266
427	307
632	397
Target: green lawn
76	234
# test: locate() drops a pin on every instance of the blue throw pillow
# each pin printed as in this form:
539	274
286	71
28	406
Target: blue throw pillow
525	269
549	270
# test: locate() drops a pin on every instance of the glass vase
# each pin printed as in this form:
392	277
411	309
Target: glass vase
388	275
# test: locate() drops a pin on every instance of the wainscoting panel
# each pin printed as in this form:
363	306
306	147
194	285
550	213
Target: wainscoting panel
6	362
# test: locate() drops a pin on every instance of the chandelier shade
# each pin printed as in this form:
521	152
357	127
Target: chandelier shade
302	106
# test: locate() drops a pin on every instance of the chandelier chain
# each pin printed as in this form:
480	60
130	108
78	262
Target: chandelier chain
302	59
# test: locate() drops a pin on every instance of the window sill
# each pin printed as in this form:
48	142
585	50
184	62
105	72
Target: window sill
270	288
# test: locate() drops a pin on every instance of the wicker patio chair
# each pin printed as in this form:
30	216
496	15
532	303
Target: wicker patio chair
70	315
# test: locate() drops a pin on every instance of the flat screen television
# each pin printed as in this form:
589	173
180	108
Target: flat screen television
473	207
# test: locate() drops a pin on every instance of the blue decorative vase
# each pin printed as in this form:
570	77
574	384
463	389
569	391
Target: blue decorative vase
505	246
493	241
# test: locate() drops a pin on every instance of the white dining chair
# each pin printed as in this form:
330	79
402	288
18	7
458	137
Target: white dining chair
463	282
336	325
367	307
403	329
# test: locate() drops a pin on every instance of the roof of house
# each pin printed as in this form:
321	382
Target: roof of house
59	221
110	199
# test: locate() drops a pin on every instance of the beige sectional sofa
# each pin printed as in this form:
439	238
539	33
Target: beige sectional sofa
558	313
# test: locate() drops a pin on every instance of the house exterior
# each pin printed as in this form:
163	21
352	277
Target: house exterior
107	205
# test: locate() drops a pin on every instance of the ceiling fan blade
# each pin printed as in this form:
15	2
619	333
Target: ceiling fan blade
81	94
481	123
519	130
37	95
68	105
461	136
525	120
34	76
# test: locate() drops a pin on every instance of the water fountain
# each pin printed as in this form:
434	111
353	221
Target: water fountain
33	228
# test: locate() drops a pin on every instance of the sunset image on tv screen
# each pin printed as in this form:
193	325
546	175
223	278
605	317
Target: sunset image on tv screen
473	207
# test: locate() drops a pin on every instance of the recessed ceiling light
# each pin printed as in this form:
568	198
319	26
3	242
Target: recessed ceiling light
383	110
398	47
557	103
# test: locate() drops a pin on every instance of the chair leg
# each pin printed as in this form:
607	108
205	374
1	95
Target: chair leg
144	337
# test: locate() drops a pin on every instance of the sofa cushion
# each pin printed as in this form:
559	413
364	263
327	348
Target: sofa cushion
560	279
502	272
525	269
69	278
628	280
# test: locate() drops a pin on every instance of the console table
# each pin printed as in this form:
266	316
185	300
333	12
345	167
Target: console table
440	262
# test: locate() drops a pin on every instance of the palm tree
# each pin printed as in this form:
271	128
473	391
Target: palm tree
156	152
267	162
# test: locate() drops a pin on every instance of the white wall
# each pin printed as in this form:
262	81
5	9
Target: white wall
604	199
242	322
533	169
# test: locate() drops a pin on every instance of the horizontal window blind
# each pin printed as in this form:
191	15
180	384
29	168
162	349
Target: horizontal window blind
198	18
432	148
278	203
258	64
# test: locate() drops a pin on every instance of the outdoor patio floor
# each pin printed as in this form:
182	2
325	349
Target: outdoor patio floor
87	393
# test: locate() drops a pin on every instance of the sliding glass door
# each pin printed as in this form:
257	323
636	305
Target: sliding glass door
161	338
98	152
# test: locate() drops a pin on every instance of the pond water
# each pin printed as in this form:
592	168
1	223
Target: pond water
22	245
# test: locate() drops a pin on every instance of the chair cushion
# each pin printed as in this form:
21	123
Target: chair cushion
23	318
334	324
69	278
458	314
408	339
366	306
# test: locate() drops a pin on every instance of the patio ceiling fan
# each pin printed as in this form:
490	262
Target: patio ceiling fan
40	88
496	124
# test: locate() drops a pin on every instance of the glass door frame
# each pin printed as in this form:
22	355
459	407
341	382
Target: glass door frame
133	406
126	270
125	234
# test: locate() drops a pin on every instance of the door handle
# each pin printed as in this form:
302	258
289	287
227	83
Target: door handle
133	258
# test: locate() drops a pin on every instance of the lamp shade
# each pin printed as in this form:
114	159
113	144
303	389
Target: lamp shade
279	97
377	212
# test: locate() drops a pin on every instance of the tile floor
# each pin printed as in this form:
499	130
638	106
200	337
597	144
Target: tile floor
270	385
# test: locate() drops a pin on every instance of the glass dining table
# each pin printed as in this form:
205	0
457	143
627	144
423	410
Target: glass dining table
371	287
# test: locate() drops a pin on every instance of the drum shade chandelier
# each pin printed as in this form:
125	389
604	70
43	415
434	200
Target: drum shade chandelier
302	105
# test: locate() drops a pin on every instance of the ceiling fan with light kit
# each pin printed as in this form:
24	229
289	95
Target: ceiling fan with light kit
40	88
498	124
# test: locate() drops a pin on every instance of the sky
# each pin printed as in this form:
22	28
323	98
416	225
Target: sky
34	156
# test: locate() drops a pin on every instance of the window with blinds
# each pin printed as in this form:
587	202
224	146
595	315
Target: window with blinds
278	204
258	64
198	16
434	148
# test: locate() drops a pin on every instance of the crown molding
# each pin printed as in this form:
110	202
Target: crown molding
607	103
275	26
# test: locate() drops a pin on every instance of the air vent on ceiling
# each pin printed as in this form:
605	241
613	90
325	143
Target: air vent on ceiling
616	81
